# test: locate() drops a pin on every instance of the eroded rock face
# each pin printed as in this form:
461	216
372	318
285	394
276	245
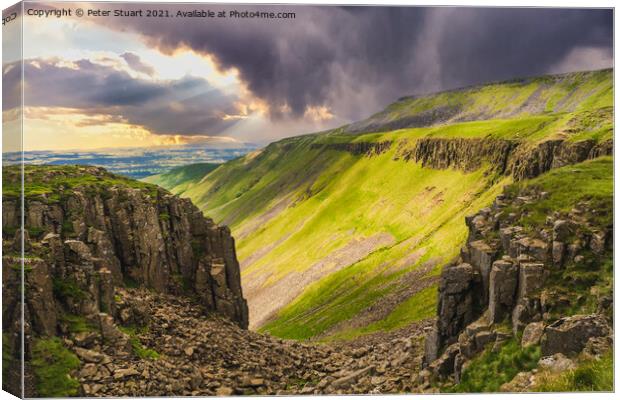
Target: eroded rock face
91	239
356	148
86	241
512	158
455	309
571	334
501	281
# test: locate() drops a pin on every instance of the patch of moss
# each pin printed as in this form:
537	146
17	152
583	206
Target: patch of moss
184	282
67	227
52	363
35	232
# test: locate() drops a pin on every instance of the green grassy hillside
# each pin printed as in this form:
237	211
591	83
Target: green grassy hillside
335	244
179	179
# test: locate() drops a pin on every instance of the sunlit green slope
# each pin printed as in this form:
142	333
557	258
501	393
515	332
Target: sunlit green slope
337	244
178	179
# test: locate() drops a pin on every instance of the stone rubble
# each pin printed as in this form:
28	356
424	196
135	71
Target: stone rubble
209	355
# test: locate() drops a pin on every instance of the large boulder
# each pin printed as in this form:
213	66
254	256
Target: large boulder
444	365
571	334
532	334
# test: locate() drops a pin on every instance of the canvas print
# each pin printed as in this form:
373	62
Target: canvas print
232	199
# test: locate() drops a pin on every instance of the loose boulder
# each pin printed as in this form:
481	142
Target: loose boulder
570	335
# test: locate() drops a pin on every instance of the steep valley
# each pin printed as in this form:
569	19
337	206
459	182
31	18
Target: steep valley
452	242
344	233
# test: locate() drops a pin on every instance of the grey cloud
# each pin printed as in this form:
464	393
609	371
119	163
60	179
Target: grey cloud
189	106
357	59
134	62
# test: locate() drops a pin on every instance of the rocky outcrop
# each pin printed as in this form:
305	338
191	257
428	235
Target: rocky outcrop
505	277
85	240
505	157
459	153
356	148
102	236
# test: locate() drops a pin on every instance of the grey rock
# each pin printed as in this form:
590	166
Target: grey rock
444	365
482	256
532	334
502	289
557	253
561	230
455	308
122	373
431	344
556	363
87	355
351	377
570	335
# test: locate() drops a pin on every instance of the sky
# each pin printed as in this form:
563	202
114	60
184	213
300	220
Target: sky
94	82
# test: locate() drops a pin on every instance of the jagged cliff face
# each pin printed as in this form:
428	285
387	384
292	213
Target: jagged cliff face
89	232
519	160
545	282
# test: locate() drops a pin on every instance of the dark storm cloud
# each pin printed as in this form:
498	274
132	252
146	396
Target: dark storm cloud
135	63
357	59
187	106
490	44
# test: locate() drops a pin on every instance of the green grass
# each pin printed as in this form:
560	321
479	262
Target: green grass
55	181
52	363
589	376
590	181
136	345
488	371
342	295
517	99
418	307
179	179
332	197
294	204
77	323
